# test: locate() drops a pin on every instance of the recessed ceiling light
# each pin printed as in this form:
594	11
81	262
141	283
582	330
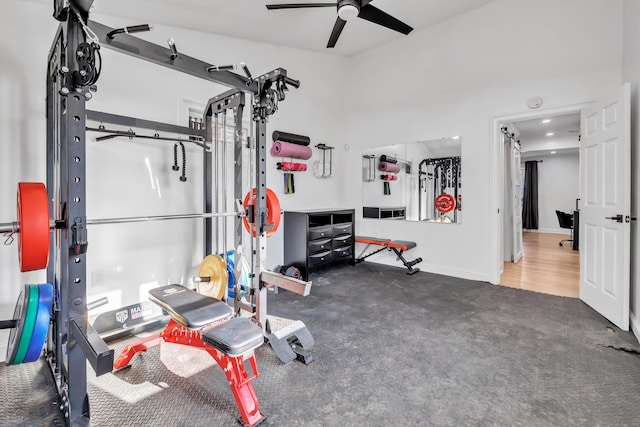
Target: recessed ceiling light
550	134
455	137
546	120
553	152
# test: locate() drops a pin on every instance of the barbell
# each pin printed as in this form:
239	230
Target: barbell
33	225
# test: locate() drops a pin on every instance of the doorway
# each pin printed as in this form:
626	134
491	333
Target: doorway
532	256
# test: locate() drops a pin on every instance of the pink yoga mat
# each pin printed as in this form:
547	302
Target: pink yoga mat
287	149
388	167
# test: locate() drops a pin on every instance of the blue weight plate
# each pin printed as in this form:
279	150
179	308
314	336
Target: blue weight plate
20	313
41	327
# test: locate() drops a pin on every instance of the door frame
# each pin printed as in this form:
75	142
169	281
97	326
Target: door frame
497	170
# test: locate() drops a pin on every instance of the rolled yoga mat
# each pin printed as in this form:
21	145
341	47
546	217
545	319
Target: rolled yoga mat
287	149
291	166
388	167
389	177
388	159
290	137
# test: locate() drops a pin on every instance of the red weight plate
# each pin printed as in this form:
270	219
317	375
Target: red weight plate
273	211
33	221
445	203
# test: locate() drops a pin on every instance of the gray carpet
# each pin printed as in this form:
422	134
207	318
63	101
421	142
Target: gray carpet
391	349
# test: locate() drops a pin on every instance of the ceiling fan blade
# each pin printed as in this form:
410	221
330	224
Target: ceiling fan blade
375	15
337	29
299	5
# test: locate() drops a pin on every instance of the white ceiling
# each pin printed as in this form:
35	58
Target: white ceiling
563	125
302	28
535	142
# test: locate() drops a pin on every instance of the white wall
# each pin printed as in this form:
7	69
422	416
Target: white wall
631	73
450	79
126	178
22	121
558	188
555	143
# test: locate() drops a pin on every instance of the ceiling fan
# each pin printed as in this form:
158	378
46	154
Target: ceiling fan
347	10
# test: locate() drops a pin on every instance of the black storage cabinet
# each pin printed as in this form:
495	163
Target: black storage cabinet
317	239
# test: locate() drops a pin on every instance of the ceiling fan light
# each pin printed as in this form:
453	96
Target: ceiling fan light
347	12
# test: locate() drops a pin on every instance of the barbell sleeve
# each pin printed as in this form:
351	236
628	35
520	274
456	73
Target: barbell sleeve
9	227
8	324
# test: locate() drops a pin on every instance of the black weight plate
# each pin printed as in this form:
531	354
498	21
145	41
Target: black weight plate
20	313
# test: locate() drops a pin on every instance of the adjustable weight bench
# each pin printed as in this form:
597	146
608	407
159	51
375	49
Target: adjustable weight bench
397	246
201	321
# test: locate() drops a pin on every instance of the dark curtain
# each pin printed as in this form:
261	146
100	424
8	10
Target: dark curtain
530	202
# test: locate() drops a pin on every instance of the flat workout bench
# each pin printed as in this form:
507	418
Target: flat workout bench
201	321
397	246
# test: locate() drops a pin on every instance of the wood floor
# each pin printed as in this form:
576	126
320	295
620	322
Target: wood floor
545	266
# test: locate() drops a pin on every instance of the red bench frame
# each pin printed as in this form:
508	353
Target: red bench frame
233	367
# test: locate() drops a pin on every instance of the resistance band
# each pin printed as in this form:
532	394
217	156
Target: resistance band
289	186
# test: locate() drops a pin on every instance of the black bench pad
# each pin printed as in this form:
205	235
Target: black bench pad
234	336
189	308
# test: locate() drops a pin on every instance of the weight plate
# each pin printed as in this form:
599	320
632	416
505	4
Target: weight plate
20	314
33	220
445	203
231	269
273	211
41	327
29	323
215	268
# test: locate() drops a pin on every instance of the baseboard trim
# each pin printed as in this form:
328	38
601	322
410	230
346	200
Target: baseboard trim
436	269
550	230
635	325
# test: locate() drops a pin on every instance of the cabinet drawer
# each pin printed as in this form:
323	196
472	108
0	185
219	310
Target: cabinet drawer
319	232
342	252
319	258
345	228
319	245
344	240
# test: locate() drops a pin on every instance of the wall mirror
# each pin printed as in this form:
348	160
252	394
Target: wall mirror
418	181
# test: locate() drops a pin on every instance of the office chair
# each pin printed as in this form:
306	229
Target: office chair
566	221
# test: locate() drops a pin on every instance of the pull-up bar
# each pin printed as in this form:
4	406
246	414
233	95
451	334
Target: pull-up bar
159	55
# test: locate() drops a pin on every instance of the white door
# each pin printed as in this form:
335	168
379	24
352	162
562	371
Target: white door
516	205
605	182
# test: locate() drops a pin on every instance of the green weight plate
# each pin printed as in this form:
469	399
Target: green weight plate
29	324
20	314
41	326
